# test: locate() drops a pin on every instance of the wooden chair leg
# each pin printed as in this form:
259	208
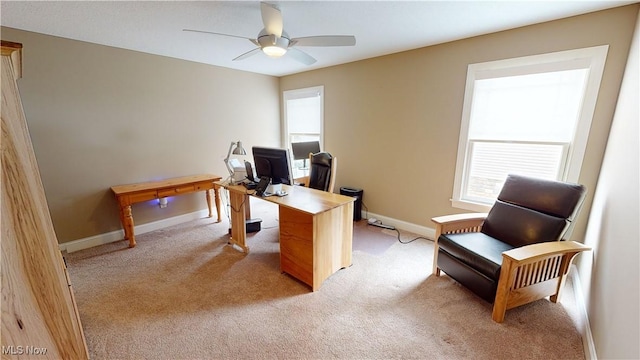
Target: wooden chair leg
503	291
567	259
436	270
556	297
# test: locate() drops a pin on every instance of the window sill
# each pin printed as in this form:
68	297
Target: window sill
472	206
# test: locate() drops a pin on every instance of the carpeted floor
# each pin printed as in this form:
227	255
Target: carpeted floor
183	293
371	239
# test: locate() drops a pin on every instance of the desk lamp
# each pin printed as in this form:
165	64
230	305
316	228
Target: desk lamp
239	150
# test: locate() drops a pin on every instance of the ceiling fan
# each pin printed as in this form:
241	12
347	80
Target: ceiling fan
275	42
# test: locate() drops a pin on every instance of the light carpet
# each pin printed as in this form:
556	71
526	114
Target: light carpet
183	293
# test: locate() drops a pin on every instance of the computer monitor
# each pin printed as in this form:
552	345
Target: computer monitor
301	150
274	163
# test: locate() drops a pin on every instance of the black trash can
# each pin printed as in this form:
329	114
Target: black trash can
357	207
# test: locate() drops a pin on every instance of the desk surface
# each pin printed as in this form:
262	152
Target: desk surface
316	230
153	185
300	198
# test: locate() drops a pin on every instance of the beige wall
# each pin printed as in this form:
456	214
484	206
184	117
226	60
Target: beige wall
101	116
610	274
394	121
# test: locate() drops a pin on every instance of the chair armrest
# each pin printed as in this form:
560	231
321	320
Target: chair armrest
457	222
535	252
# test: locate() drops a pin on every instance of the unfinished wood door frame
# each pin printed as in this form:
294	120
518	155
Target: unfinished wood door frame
39	313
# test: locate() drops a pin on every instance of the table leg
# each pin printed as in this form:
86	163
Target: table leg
127	225
216	193
208	195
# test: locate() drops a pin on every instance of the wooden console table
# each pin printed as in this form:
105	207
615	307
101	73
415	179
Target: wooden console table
141	192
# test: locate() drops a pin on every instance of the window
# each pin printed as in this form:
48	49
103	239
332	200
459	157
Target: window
528	116
303	119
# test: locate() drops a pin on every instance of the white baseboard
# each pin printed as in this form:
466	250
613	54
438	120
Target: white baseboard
118	235
587	336
425	231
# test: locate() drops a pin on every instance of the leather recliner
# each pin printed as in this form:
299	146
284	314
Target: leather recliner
527	211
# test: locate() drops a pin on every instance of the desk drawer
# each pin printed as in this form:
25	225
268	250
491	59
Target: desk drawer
204	186
142	196
175	190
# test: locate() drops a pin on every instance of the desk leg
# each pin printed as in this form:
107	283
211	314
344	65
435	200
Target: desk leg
239	203
247	208
127	225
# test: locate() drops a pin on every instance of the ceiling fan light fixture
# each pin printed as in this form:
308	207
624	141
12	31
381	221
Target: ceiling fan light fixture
274	42
274	51
272	45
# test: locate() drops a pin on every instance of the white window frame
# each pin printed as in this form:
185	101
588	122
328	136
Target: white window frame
298	94
592	58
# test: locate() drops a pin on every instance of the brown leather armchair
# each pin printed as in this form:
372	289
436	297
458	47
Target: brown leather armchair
512	255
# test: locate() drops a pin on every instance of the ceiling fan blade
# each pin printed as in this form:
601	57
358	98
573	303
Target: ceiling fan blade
247	54
272	19
325	40
301	56
215	33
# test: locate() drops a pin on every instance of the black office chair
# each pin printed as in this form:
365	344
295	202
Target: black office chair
511	256
322	171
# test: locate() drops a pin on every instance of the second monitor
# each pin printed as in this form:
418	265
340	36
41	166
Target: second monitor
274	163
301	150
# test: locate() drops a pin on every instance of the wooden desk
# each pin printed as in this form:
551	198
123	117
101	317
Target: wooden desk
140	192
316	230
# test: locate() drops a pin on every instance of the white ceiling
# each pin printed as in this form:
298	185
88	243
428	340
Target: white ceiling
380	27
